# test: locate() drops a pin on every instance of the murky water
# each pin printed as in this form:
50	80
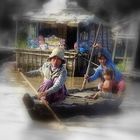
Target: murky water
16	124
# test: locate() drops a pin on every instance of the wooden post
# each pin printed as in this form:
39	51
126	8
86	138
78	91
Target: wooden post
115	47
84	82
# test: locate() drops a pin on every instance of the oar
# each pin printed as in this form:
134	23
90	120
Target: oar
87	71
44	102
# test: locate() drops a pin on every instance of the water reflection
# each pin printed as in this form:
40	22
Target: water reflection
17	124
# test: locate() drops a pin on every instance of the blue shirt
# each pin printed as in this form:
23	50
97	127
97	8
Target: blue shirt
109	64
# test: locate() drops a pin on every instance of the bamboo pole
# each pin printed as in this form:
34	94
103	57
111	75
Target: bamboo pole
87	71
90	62
43	101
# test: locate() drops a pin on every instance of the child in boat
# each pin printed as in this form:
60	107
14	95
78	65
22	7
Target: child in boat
106	88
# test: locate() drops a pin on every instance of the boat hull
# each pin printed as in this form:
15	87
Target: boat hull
73	105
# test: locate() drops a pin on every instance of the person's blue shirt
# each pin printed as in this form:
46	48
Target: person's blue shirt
109	64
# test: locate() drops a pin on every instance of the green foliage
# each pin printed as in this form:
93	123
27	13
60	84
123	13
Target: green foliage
22	35
121	66
21	44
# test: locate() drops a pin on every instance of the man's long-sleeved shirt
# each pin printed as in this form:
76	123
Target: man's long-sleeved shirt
48	73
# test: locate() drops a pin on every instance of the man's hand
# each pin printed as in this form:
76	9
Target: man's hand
97	46
86	77
42	95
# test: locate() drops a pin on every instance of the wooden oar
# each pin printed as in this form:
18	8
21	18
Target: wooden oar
44	102
87	71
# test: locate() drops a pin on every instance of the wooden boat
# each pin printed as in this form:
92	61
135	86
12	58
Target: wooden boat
76	103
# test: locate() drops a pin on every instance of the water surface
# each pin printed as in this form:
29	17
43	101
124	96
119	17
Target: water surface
16	124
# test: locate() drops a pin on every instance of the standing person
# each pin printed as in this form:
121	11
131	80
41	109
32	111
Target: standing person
105	60
76	46
53	87
41	43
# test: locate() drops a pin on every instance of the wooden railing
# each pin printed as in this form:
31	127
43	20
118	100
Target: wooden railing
29	59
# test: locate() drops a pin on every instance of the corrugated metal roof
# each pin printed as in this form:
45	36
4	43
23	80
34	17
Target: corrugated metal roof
72	15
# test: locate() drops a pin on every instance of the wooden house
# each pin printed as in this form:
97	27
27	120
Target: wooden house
71	25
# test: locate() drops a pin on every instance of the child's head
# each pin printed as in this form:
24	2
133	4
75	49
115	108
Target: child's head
108	74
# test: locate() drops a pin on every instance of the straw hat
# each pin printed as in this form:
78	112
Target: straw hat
59	52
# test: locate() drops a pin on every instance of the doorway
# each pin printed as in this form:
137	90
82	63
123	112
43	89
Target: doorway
71	37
